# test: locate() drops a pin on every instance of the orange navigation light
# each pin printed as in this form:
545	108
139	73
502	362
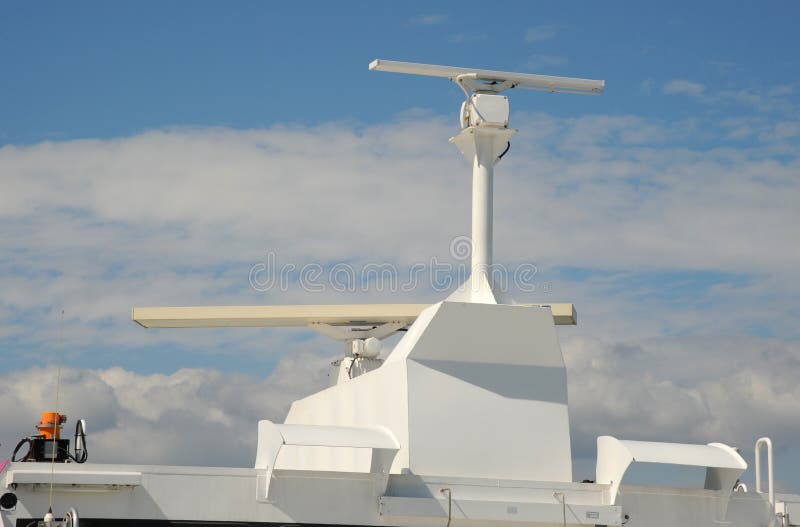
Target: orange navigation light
50	427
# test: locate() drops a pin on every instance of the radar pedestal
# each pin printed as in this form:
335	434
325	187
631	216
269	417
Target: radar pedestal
484	140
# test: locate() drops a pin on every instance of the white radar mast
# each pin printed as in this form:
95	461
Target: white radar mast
483	140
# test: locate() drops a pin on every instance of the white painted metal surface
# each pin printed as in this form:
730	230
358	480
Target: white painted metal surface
314	316
273	437
407	510
723	464
765	442
481	146
275	316
522	80
459	404
39	474
488	110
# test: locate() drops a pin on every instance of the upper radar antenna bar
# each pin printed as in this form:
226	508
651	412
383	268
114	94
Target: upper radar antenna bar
484	139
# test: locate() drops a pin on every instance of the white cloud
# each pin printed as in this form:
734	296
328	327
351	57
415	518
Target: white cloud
684	87
764	100
461	38
781	90
190	417
542	33
646	86
431	19
722	67
178	217
540	61
691	390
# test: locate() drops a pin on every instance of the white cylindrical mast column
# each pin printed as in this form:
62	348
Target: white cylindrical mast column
482	145
482	182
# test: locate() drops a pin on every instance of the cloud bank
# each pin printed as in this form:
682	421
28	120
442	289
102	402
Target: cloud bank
735	391
200	417
675	240
179	217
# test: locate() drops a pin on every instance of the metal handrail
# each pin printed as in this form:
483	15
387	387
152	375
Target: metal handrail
765	441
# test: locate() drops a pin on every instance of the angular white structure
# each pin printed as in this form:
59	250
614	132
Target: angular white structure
723	464
465	423
462	401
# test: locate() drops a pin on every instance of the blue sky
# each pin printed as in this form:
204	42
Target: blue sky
99	70
154	153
